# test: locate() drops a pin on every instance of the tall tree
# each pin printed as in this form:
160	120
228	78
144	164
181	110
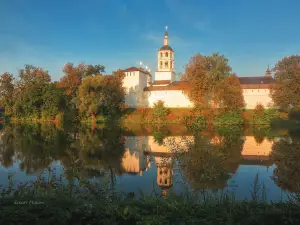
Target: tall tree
229	93
212	82
6	92
286	90
195	74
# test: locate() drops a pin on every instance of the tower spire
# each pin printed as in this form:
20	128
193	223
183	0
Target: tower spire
268	72
166	38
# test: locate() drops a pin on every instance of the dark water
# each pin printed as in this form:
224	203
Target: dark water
146	159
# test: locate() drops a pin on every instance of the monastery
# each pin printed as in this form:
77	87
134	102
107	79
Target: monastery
141	91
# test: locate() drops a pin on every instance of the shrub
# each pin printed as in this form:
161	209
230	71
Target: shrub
230	117
159	112
264	116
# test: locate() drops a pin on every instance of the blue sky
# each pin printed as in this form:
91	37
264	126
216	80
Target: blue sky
120	33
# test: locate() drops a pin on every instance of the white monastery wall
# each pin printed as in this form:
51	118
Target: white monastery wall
253	97
172	98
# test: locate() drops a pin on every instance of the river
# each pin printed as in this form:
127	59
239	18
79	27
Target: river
157	160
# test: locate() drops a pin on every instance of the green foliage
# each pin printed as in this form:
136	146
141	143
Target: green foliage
195	123
159	112
229	118
264	116
285	92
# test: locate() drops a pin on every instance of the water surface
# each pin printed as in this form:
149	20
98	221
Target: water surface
146	159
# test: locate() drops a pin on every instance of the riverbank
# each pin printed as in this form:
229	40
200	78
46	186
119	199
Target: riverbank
54	204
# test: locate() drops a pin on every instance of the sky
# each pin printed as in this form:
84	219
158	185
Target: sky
121	33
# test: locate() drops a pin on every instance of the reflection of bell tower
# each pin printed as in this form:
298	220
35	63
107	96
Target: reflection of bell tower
165	176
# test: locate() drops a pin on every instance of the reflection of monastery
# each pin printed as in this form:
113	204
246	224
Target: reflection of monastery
142	91
135	161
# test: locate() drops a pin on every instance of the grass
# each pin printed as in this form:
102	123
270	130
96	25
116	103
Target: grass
50	201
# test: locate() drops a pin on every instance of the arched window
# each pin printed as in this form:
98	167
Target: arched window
166	64
167	54
161	55
166	181
161	64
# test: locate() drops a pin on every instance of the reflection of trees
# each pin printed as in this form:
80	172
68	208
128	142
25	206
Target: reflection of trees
209	164
103	148
37	146
286	155
7	147
160	133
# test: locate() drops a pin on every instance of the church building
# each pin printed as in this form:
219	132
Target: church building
142	92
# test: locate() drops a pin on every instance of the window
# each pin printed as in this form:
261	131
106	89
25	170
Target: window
166	181
166	64
167	55
161	64
161	55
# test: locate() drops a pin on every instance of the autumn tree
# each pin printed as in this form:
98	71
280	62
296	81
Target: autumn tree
286	90
212	82
229	93
6	92
72	78
31	75
195	74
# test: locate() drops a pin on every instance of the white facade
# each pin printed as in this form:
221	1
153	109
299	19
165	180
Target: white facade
172	98
253	97
135	81
165	75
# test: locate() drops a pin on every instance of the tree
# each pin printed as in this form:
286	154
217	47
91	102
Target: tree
54	101
159	111
101	95
195	74
229	94
72	78
212	82
91	70
33	75
286	90
6	92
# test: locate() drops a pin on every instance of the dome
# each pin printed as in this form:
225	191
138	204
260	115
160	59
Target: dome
166	47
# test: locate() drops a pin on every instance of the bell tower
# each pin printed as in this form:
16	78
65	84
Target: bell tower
165	61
